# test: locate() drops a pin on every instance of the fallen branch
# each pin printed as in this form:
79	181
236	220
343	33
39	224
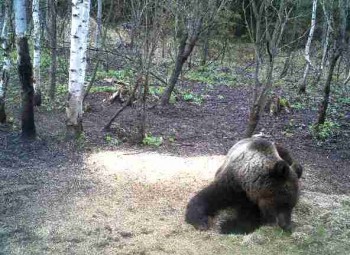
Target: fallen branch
128	103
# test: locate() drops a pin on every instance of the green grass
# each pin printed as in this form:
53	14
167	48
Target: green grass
191	97
325	131
151	140
211	75
124	75
112	140
108	89
326	235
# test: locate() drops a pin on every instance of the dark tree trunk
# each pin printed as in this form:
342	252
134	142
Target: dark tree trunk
25	72
259	98
5	79
291	49
163	45
286	65
302	87
2	112
185	49
327	89
143	111
205	49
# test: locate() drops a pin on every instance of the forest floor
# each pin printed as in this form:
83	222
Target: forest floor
103	195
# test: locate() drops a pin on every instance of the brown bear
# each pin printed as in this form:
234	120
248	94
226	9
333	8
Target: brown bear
258	178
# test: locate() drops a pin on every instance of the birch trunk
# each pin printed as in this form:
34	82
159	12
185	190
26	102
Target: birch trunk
302	87
36	54
25	70
5	76
79	37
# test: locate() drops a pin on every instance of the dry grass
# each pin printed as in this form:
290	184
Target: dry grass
132	202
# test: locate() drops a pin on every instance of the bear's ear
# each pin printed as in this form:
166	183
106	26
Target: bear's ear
298	169
280	169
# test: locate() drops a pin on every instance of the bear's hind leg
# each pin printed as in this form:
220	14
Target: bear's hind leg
206	203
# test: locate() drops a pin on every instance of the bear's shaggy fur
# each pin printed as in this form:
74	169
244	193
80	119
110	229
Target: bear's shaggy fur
257	176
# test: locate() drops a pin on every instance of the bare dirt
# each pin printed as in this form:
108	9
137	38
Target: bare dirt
95	197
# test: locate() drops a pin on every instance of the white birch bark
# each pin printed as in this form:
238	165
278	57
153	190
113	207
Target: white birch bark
325	49
4	44
308	45
311	33
20	8
37	46
4	37
79	40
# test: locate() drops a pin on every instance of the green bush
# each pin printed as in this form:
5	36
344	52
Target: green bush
324	131
152	140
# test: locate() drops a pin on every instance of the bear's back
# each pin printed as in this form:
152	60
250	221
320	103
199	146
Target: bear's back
249	157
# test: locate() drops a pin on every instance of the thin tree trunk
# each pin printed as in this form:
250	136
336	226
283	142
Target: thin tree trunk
324	54
163	39
186	46
286	64
259	100
327	88
291	48
92	80
53	46
347	79
143	117
79	37
337	50
223	51
5	76
205	48
25	70
37	53
99	24
272	41
302	87
339	65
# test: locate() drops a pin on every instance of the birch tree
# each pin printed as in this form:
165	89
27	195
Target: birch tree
37	52
5	76
302	87
77	66
25	70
